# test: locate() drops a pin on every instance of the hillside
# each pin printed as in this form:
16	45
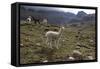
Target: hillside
33	47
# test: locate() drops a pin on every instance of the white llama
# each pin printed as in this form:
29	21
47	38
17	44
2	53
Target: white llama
45	21
53	37
29	19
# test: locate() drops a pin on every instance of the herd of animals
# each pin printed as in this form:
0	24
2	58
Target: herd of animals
53	38
36	20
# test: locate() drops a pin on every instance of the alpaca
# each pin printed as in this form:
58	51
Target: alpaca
53	37
29	19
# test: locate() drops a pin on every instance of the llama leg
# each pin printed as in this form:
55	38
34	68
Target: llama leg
47	42
50	43
57	43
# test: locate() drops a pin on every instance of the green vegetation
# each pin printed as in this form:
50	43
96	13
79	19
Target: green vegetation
33	48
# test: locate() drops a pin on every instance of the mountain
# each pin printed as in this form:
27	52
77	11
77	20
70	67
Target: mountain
55	16
89	17
81	14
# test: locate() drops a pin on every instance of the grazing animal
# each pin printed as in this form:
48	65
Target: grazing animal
36	20
53	37
45	21
29	19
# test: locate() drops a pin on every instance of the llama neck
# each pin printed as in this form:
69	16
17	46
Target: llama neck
60	31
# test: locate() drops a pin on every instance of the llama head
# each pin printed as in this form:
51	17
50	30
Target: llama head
61	29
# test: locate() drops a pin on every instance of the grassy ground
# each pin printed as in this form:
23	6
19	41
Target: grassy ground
33	48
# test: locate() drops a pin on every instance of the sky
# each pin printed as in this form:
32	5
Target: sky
73	10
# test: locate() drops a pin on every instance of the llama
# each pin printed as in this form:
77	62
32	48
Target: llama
45	21
29	19
53	37
36	20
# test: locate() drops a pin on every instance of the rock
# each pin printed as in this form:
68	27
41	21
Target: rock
77	52
45	61
90	57
38	44
77	55
71	58
78	44
77	47
21	45
63	40
91	41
